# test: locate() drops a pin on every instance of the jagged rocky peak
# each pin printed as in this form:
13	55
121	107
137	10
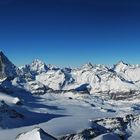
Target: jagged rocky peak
38	66
120	66
87	66
7	68
35	134
37	62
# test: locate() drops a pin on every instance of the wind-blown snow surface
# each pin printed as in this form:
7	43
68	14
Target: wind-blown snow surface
59	115
35	134
69	103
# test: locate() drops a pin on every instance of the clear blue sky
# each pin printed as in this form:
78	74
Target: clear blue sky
70	32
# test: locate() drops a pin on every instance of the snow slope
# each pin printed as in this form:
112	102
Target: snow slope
91	100
35	134
9	99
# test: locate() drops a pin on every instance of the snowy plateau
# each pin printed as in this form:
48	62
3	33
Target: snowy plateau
92	102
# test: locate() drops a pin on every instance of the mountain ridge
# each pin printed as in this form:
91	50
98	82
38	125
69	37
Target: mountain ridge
121	79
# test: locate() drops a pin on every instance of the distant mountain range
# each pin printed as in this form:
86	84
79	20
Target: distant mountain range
99	100
120	81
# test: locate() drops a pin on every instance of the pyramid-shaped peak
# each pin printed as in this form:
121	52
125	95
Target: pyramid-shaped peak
7	68
4	59
1	53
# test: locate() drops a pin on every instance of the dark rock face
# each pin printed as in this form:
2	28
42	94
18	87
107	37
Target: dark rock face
84	88
87	134
7	68
123	95
116	126
11	113
8	113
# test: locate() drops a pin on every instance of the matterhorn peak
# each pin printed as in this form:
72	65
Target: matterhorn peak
3	58
7	68
1	52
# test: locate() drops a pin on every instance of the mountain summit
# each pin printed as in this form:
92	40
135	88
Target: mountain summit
7	68
120	66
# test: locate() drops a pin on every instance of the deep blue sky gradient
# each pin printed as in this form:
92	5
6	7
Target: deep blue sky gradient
70	32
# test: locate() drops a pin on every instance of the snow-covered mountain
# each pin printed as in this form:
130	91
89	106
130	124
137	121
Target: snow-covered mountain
69	103
119	81
36	67
7	68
